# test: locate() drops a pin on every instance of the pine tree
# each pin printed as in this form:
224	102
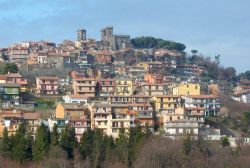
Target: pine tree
68	141
5	143
42	142
54	136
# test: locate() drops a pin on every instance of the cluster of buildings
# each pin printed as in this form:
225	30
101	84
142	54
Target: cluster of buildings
109	85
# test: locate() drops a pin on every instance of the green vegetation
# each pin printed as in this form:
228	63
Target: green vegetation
41	144
245	75
8	67
151	42
129	150
225	142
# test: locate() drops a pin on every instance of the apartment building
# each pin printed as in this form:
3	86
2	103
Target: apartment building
47	85
124	87
167	102
119	99
77	116
180	128
32	121
111	117
11	120
10	94
153	89
187	89
84	86
210	103
107	87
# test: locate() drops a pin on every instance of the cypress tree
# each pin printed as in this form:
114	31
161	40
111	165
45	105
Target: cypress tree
20	147
5	143
68	141
54	136
86	143
42	142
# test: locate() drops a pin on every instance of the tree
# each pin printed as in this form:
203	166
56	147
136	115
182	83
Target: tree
245	75
194	52
86	143
136	136
42	142
97	88
20	150
187	144
54	136
122	147
5	143
68	141
225	142
155	118
108	145
10	67
151	42
217	59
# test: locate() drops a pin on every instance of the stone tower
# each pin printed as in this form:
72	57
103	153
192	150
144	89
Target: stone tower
81	35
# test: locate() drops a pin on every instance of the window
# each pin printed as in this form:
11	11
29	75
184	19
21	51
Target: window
110	83
161	99
196	87
161	106
103	82
187	86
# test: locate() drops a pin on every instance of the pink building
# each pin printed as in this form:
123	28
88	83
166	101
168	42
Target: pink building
47	85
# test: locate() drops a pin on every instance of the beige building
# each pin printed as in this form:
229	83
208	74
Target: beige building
84	86
153	89
110	118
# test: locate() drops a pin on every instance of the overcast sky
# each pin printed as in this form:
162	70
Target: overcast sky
211	26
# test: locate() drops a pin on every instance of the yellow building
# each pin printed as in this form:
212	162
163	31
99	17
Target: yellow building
124	87
187	89
72	111
167	102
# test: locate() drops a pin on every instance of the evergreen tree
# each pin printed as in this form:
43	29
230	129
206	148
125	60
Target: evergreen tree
54	136
5	143
107	148
136	136
187	144
29	145
68	141
122	147
42	142
86	143
20	150
97	145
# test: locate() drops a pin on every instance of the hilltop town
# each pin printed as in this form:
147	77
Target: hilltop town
119	84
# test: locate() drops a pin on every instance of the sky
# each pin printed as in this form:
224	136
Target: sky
211	26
